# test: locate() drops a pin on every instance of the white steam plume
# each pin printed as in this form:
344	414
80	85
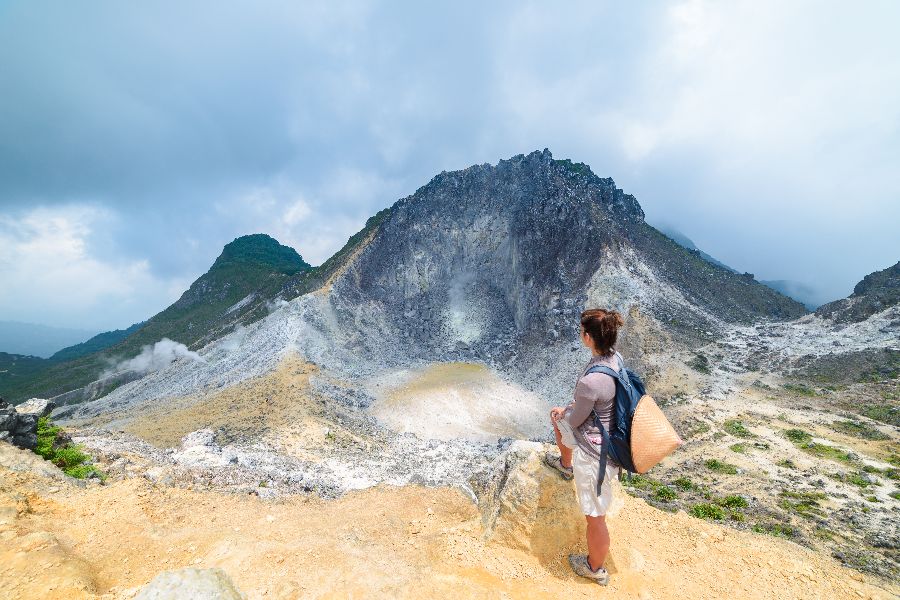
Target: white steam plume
155	357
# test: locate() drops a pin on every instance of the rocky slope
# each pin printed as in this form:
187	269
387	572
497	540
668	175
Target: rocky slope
876	292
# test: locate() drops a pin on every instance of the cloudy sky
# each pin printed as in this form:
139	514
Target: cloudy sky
136	139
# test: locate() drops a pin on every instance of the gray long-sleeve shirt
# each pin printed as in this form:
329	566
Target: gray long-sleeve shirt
595	391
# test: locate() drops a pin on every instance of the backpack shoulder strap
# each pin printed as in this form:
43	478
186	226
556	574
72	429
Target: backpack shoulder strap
602	369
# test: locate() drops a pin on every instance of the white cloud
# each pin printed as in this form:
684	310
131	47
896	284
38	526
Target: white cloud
50	276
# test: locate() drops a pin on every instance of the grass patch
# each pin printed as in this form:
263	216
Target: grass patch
737	429
734	501
787	464
640	482
885	413
803	440
684	484
737	516
859	429
721	467
707	510
826	451
801	389
798	436
895	494
67	457
775	529
665	494
739	448
858	479
805	504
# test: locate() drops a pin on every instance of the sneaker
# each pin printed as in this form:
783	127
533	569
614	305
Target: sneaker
552	460
581	566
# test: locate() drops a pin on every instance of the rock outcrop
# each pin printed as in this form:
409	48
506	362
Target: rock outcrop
527	506
196	584
876	292
18	424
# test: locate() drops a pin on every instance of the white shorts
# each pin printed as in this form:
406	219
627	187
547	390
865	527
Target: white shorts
586	470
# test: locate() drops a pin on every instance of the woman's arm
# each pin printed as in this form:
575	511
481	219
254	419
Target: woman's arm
578	412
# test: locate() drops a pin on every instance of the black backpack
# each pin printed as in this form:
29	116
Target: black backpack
617	441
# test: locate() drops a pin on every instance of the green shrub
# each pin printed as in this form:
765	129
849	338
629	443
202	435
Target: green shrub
801	389
665	494
857	479
884	413
826	451
805	504
737	516
859	429
895	494
786	463
708	511
684	484
733	502
739	448
798	436
721	467
67	457
642	482
737	429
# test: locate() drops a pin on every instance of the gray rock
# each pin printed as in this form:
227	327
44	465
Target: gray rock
41	407
19	429
196	584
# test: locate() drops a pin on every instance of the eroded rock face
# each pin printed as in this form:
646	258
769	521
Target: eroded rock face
197	584
526	505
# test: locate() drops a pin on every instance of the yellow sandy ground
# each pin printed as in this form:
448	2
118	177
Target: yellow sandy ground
60	541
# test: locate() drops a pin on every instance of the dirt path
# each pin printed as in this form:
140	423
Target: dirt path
60	541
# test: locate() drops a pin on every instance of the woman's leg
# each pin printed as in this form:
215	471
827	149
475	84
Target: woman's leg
565	454
597	541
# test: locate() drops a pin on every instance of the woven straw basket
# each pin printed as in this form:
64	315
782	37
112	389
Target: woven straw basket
652	436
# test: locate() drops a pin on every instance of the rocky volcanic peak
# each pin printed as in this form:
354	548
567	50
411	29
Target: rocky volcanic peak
491	264
494	260
876	292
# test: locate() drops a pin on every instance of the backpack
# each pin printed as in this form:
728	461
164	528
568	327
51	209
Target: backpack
640	435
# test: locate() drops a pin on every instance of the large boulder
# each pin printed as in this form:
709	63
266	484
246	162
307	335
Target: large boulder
39	407
527	506
17	428
196	584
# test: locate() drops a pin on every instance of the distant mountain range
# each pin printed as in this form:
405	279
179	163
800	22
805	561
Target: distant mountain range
801	292
31	339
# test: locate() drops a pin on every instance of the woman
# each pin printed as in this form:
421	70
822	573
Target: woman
579	439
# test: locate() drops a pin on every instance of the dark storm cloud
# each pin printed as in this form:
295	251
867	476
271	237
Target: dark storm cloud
143	137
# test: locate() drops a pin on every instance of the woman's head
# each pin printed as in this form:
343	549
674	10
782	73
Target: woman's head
599	329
